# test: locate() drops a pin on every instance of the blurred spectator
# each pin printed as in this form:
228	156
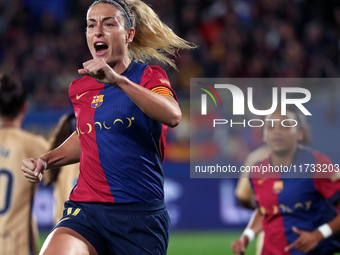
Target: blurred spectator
243	38
42	42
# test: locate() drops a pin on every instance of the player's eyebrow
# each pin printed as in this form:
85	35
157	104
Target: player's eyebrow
104	19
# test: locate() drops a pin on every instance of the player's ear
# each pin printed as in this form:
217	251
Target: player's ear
300	135
130	34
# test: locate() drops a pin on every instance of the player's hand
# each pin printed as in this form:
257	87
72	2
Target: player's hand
306	241
239	246
100	70
33	169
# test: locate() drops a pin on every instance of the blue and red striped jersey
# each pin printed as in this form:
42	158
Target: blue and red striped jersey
122	149
305	203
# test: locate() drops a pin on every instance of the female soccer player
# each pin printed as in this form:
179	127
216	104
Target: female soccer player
297	215
123	109
18	229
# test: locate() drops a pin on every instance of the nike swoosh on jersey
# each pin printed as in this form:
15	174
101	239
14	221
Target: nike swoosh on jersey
78	97
260	181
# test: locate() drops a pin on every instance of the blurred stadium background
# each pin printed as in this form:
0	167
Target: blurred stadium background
43	45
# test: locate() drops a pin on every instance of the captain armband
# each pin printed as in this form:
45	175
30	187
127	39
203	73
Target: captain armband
164	91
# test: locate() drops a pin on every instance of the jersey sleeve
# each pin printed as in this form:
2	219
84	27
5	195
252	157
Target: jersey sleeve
244	190
329	187
155	78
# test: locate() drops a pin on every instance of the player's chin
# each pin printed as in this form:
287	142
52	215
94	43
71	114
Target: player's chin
281	151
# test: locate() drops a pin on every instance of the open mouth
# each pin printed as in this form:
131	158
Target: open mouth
277	140
100	47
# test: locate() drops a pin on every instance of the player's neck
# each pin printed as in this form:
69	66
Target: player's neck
121	65
10	123
283	159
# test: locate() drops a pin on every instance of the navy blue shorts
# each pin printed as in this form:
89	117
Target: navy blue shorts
136	228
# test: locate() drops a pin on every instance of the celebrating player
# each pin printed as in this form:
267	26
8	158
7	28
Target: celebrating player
123	109
297	215
18	231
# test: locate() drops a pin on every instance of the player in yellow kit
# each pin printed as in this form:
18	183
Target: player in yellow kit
18	230
63	178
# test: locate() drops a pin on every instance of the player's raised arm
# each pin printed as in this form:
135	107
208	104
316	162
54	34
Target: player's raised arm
164	109
67	153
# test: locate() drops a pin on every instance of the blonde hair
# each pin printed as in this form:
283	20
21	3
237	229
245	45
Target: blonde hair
153	38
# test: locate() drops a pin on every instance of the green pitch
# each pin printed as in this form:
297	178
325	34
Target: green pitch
199	242
205	243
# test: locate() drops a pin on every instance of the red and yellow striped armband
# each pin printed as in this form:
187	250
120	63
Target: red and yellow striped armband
164	91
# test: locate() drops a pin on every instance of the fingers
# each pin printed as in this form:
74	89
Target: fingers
291	246
31	178
306	242
296	243
40	168
238	246
29	163
82	71
100	70
298	246
94	68
33	169
28	167
296	230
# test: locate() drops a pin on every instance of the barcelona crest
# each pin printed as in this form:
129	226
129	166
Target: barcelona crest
97	101
278	187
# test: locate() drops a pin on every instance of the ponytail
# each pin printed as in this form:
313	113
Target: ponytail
153	39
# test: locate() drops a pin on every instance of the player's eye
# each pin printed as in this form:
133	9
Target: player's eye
90	26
